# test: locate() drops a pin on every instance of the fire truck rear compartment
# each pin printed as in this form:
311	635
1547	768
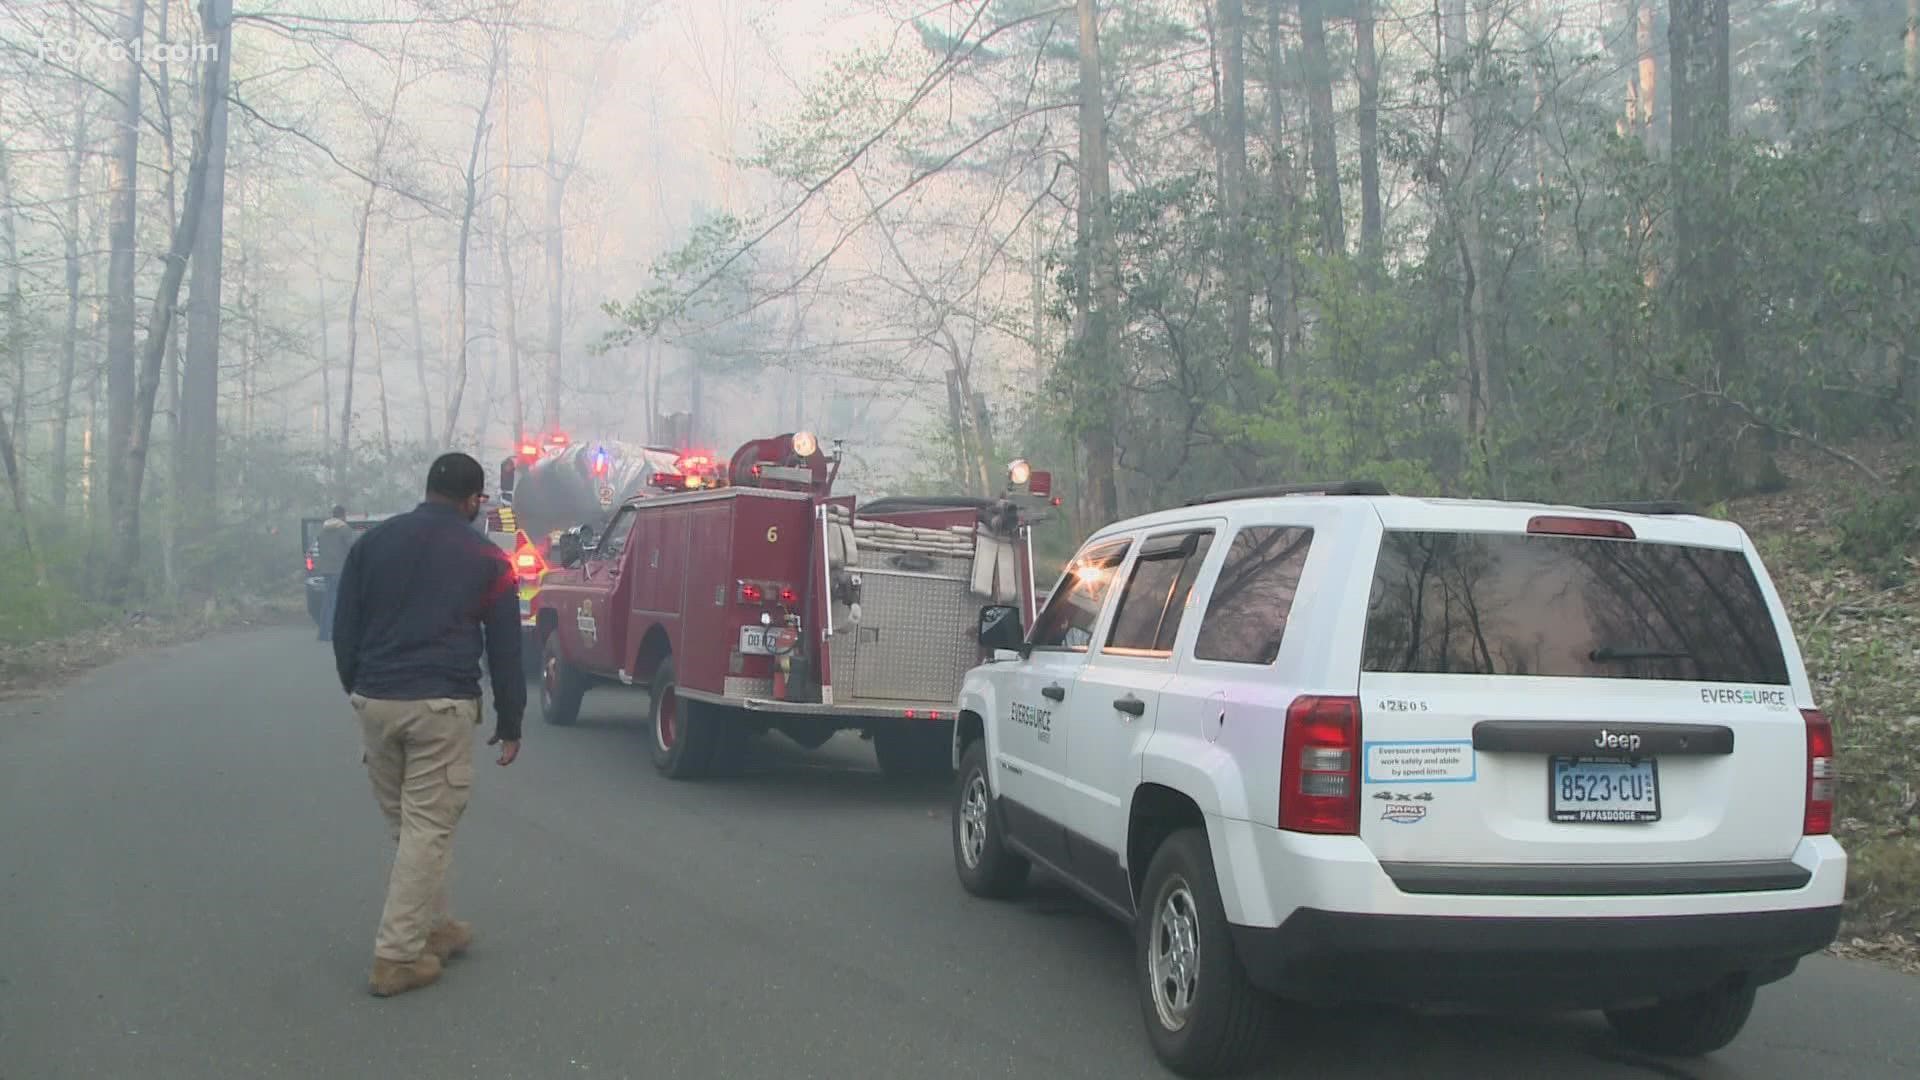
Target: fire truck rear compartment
905	606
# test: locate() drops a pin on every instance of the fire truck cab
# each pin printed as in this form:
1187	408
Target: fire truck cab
748	598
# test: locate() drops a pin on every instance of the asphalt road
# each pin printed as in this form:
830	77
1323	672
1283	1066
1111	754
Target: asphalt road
191	868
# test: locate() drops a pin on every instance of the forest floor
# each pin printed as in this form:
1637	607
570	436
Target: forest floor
1859	631
37	667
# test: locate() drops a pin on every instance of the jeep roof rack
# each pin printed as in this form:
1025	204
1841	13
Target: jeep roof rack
1657	506
1334	487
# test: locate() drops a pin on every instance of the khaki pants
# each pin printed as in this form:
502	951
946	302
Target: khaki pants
419	755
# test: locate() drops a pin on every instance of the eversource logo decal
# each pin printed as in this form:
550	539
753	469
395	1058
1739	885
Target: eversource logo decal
1772	699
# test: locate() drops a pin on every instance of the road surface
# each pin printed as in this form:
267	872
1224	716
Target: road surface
191	869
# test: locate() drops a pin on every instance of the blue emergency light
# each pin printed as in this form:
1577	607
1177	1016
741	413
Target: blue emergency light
599	461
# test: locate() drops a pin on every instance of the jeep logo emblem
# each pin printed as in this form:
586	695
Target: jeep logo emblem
1607	740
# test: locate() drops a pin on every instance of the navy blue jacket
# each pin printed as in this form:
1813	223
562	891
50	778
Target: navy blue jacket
416	593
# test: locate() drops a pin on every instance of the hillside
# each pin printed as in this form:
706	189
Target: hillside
1843	558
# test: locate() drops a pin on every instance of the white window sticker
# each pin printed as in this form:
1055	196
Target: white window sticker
1445	761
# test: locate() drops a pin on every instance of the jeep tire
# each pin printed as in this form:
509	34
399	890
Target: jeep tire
1203	1016
980	854
1690	1026
561	685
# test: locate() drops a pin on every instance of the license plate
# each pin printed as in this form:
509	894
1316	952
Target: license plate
1602	791
756	640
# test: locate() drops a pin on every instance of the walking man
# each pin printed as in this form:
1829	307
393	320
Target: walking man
421	595
336	537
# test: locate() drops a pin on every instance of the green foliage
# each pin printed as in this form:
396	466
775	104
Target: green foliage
1876	533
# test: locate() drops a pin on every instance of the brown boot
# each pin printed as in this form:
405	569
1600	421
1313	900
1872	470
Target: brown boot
450	939
392	977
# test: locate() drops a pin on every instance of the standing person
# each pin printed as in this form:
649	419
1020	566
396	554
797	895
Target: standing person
336	538
418	594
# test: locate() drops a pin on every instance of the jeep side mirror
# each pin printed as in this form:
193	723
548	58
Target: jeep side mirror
1000	628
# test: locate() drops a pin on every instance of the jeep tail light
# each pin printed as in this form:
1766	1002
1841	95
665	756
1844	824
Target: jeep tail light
1320	769
1549	525
1820	778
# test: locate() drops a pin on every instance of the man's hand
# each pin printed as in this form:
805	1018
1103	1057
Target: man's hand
509	749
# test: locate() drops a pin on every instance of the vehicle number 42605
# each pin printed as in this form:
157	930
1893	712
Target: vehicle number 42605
1401	705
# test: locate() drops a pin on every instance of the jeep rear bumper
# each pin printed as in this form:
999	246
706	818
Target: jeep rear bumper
1506	963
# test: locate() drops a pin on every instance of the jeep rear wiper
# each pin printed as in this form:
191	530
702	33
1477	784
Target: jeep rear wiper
1613	652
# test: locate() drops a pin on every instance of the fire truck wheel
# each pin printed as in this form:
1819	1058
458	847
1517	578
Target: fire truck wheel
561	687
920	751
683	731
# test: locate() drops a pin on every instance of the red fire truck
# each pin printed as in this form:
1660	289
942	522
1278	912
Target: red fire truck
551	484
748	598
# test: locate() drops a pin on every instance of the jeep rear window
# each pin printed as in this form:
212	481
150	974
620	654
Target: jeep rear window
1515	604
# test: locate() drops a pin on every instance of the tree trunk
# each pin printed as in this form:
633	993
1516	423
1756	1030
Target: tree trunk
199	448
1239	240
511	301
1913	40
1282	308
1323	149
70	337
159	331
122	232
1705	303
556	283
419	343
361	272
379	362
1098	355
326	360
15	341
466	235
1367	73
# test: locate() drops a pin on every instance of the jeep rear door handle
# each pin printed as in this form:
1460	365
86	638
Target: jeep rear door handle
1131	705
1056	692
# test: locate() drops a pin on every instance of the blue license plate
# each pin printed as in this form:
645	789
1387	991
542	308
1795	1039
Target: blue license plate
1602	790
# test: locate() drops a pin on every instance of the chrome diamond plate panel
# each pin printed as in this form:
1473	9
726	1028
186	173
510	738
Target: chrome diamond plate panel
917	635
737	686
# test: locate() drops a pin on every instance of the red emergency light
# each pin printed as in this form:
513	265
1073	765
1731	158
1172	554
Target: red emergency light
558	438
527	562
529	450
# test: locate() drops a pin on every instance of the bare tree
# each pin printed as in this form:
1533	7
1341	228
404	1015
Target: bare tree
1323	149
362	221
198	451
1099	293
122	232
160	330
497	34
1239	240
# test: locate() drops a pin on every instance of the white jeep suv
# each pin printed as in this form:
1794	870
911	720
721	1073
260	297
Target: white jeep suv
1328	744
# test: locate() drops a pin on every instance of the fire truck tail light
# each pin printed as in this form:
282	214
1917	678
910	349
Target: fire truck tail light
789	596
751	593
